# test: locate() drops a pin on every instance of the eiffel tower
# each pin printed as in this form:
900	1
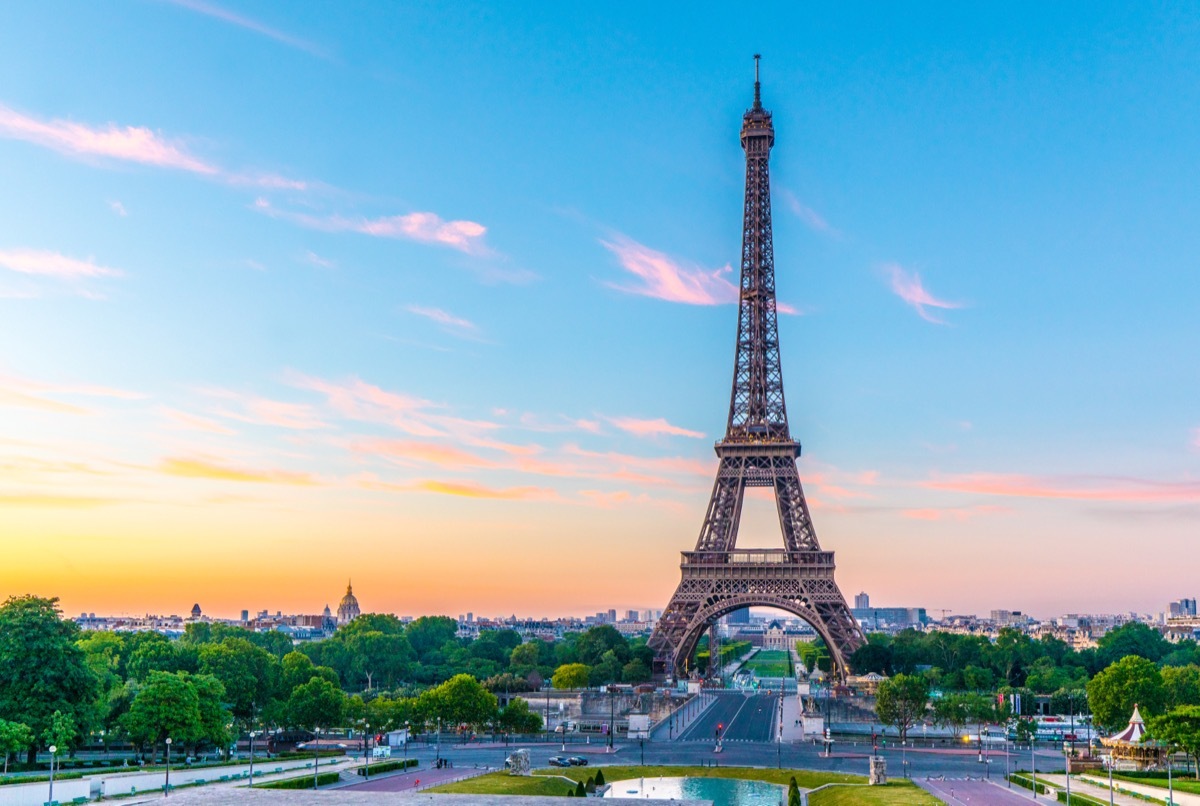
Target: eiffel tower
757	451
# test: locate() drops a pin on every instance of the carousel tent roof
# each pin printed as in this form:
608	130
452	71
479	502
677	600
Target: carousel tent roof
1133	733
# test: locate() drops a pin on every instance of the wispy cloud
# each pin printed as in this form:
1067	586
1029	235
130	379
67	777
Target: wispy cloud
54	501
448	321
31	394
1196	437
313	259
1079	488
44	263
652	428
194	422
907	286
808	215
134	144
956	514
265	411
216	12
471	490
663	277
424	227
206	469
117	208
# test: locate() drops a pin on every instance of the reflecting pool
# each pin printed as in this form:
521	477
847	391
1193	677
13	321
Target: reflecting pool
721	791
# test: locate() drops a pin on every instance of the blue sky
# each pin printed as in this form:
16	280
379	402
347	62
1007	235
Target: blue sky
440	291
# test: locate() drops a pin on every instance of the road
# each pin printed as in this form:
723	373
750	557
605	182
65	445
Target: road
744	717
977	793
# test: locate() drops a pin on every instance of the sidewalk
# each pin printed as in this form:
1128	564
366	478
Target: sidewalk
1157	792
1101	792
685	715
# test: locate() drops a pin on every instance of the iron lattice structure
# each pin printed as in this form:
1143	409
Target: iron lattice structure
757	451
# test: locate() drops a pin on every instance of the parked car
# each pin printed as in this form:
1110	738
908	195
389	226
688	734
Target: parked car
577	761
559	761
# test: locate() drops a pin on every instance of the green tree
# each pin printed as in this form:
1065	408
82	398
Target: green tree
162	655
516	717
526	656
580	789
953	711
1181	685
14	737
571	676
214	715
167	705
901	701
1113	692
461	700
42	671
1179	728
62	732
317	704
636	671
297	669
1133	638
251	675
429	633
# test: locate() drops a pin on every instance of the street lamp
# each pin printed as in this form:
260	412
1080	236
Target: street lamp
53	753
252	758
367	751
987	759
407	736
316	758
612	716
1033	759
167	782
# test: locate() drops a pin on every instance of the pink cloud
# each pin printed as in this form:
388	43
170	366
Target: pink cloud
433	453
465	236
52	264
958	514
907	286
129	143
652	428
265	411
808	215
216	12
1081	488
443	318
136	144
193	422
662	277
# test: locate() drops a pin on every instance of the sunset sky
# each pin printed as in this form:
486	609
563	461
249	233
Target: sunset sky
438	297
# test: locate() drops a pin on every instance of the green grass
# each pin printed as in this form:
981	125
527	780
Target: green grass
895	793
554	782
501	783
769	663
1191	786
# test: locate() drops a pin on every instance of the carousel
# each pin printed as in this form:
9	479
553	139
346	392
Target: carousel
1128	749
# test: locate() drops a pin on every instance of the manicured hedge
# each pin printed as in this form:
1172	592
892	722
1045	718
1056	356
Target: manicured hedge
303	782
388	766
1027	783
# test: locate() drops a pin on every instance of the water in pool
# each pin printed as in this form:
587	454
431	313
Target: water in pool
721	791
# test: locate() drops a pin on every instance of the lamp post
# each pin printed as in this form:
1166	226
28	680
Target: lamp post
367	751
987	759
439	741
407	735
316	760
1111	791
1007	774
53	752
1033	760
251	758
1071	752
642	748
167	782
612	716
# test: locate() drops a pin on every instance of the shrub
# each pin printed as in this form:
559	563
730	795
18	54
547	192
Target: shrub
388	766
580	790
1027	783
590	786
303	782
599	777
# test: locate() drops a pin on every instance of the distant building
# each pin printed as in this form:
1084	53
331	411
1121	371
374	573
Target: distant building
739	616
348	609
195	611
874	619
245	616
862	601
1184	607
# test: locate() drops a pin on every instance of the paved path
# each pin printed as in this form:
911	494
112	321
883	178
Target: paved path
977	793
411	781
1099	790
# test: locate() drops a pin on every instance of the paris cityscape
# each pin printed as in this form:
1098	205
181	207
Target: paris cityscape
893	505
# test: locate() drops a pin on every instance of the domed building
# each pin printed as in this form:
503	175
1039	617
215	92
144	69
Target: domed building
348	608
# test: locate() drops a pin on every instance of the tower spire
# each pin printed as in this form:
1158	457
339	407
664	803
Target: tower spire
757	86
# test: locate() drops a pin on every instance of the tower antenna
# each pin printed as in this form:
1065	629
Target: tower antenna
757	92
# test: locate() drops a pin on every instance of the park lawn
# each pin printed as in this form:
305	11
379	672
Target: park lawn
769	663
895	793
1190	785
806	779
501	783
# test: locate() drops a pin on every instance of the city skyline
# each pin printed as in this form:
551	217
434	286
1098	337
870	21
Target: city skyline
439	299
